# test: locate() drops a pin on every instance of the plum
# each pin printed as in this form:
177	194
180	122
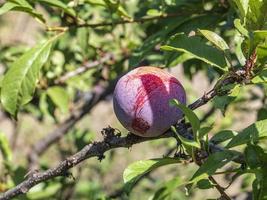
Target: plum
141	101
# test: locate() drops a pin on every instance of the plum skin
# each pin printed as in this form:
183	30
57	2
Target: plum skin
141	101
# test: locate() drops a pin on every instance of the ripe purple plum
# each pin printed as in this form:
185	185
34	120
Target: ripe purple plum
141	101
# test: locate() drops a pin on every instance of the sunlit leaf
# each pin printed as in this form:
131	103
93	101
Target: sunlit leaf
198	49
214	162
136	170
19	82
215	39
60	97
254	132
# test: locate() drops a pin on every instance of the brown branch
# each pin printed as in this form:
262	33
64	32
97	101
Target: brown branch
99	93
102	24
97	149
224	196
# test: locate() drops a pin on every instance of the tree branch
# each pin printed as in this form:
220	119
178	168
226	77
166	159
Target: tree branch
102	24
111	140
99	93
83	68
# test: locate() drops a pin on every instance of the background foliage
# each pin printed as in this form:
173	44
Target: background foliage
66	66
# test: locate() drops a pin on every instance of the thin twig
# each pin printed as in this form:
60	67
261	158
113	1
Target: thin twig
102	24
224	196
83	68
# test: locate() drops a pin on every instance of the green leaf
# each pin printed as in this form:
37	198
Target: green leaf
254	132
23	6
223	136
190	115
83	39
214	162
198	49
262	114
136	170
261	77
205	184
19	82
47	107
5	147
59	4
252	156
154	12
60	98
173	60
221	102
96	2
256	15
242	6
215	39
167	189
204	131
149	44
260	183
7	7
185	141
241	28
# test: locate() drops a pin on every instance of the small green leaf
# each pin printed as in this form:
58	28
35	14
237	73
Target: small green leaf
5	148
7	7
185	141
254	132
19	82
46	106
215	39
136	170
190	115
242	6
153	12
223	136
214	162
198	49
241	28
83	39
261	77
60	98
205	184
